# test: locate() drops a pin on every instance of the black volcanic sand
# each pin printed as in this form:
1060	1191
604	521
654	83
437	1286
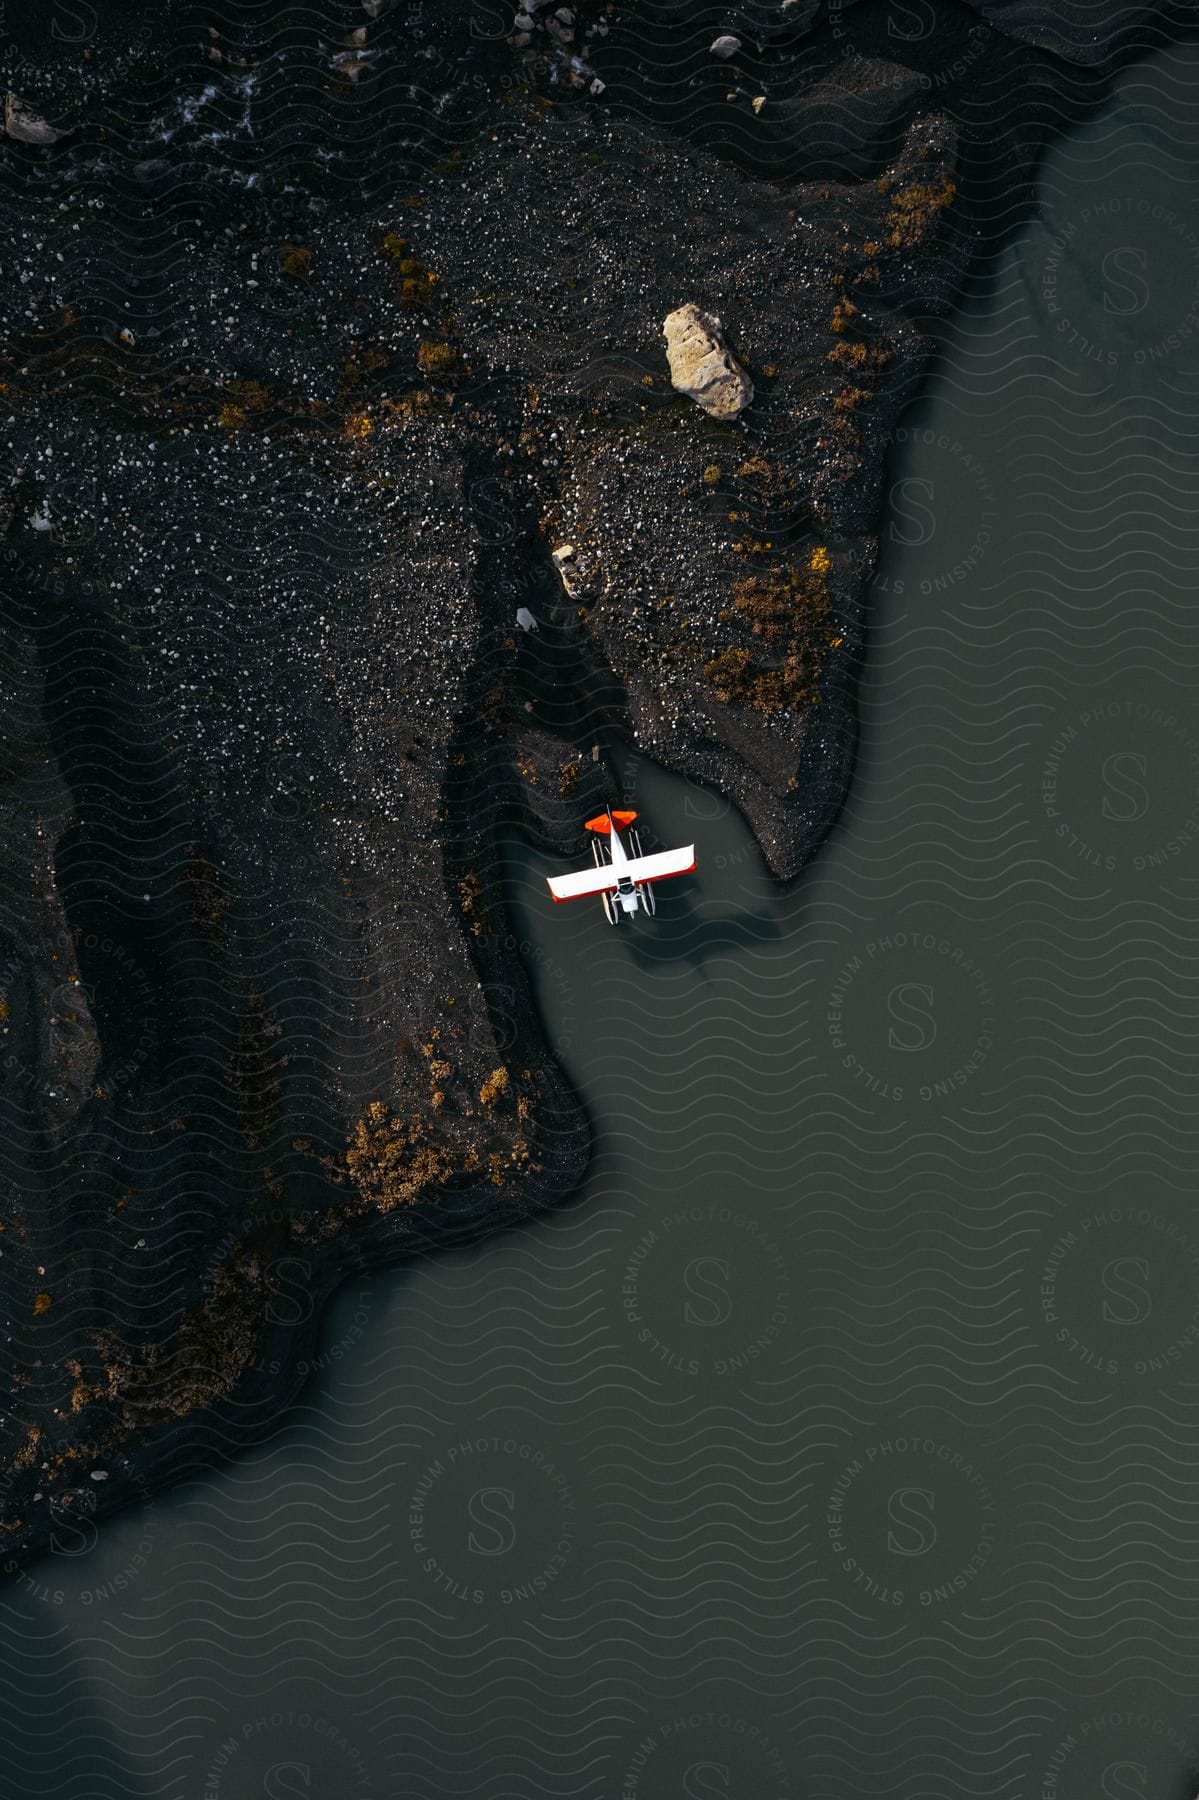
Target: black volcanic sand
305	376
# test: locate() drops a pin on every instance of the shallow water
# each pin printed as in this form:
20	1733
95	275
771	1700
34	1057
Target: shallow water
840	1435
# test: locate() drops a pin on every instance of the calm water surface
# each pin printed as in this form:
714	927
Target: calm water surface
841	1435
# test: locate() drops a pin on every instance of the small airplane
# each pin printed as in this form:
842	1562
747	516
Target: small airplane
623	882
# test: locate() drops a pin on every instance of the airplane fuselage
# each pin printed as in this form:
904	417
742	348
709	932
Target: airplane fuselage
626	889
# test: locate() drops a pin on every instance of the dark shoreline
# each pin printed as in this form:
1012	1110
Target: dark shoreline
789	831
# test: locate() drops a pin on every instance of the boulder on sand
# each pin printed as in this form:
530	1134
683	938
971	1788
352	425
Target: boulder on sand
701	365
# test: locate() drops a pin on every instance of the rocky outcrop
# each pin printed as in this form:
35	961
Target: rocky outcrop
700	363
26	126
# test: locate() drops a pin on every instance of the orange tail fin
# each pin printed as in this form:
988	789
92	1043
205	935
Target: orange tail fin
619	819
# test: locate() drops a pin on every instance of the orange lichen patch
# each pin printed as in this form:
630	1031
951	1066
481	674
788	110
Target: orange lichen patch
81	1391
362	362
359	425
861	357
416	282
251	394
437	358
915	210
725	671
393	1161
42	1303
848	398
785	606
764	479
470	890
244	398
778	597
712	474
495	1085
294	259
843	315
26	1455
439	1069
204	1358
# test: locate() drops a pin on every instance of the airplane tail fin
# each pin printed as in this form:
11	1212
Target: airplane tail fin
619	819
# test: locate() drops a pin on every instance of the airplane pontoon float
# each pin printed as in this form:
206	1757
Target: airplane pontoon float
623	881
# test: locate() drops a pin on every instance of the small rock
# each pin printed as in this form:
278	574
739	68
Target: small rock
525	619
126	336
570	568
701	365
25	125
597	86
758	102
725	46
352	64
99	1474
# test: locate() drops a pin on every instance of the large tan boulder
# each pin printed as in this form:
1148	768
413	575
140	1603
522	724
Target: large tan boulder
701	365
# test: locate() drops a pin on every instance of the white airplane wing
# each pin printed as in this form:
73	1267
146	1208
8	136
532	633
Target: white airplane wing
639	868
666	862
587	881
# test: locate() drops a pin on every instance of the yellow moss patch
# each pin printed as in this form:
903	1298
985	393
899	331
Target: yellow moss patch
437	358
416	282
785	607
914	211
861	357
470	889
393	1161
495	1085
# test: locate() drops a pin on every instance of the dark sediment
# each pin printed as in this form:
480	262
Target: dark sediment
306	374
